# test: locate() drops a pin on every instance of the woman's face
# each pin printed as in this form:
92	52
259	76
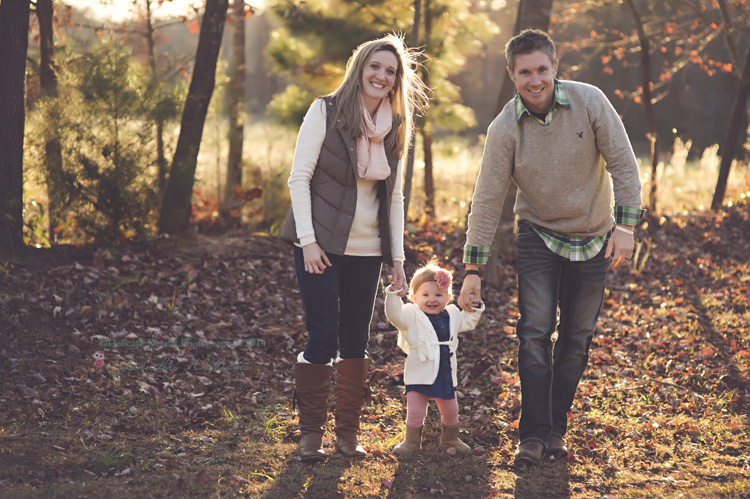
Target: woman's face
378	77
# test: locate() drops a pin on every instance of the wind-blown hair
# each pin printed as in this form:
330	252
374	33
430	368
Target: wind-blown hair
408	95
526	42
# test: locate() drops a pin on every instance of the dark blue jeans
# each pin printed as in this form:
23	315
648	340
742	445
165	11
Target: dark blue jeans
338	305
548	283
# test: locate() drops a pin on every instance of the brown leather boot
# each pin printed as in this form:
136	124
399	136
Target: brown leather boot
449	439
412	441
529	453
351	385
312	383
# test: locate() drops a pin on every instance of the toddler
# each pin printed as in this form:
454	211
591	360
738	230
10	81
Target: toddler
428	333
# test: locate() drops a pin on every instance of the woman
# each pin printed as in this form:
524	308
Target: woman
346	219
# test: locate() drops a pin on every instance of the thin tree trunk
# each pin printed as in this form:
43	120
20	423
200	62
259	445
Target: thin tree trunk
409	171
161	160
731	138
14	42
429	184
429	178
531	14
236	111
653	136
728	36
176	204
48	84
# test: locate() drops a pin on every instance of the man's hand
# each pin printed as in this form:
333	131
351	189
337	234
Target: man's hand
620	247
471	292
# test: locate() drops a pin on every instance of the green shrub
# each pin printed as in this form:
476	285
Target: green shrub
104	120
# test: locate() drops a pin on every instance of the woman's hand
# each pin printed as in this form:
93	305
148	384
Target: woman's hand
316	259
398	279
620	247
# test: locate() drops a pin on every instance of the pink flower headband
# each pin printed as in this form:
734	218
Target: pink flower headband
443	279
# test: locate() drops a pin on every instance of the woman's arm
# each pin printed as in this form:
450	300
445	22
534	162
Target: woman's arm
306	154
397	234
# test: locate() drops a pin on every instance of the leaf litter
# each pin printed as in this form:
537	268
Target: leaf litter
199	337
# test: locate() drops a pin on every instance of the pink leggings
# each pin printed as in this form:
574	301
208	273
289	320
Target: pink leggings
416	409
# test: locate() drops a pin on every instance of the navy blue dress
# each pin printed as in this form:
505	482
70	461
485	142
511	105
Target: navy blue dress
443	387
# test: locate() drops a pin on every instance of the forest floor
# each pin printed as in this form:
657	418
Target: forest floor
191	394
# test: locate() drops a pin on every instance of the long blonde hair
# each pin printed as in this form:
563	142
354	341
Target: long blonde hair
408	95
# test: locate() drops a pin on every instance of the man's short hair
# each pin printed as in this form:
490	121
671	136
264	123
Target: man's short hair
526	42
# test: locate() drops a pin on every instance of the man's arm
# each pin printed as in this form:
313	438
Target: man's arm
486	207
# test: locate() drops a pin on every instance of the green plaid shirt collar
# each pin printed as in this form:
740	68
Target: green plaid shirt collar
561	99
576	249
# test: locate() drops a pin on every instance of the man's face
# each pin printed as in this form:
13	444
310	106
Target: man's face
534	75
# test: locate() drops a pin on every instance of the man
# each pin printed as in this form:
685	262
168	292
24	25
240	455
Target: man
550	139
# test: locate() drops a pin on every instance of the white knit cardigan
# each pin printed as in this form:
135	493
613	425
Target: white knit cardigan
418	339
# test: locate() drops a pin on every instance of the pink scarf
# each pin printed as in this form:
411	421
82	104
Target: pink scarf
372	163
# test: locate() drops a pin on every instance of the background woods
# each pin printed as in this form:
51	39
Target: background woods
180	117
670	69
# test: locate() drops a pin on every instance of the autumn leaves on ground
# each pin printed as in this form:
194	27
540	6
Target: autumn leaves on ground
191	394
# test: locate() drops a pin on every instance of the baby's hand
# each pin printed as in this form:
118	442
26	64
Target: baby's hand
392	289
474	302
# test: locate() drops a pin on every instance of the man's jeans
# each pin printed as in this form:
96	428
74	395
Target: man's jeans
550	376
338	305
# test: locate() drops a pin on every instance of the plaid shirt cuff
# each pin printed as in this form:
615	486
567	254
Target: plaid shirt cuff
628	215
477	255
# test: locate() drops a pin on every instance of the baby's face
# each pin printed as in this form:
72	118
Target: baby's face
429	298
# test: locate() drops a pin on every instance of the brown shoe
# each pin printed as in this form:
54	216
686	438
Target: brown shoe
312	383
351	386
449	439
529	453
412	441
556	448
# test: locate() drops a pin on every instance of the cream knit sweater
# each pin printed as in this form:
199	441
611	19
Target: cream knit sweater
565	171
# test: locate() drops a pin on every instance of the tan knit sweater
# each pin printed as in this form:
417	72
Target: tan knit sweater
563	184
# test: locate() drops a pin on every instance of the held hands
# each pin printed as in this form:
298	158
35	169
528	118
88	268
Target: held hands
316	259
398	279
620	247
471	293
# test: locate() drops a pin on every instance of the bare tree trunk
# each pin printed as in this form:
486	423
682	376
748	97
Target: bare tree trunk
236	112
429	183
161	160
653	135
531	14
728	36
731	138
429	178
48	84
409	171
176	204
14	43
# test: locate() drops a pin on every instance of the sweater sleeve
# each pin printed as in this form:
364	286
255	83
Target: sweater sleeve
469	319
490	189
306	154
397	217
614	145
402	318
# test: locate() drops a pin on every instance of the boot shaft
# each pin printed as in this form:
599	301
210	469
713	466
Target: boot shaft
351	386
312	385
